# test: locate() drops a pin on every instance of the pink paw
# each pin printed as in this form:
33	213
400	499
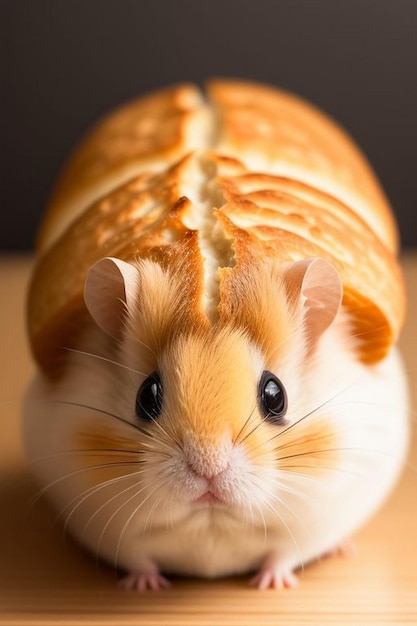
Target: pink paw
345	548
273	576
142	581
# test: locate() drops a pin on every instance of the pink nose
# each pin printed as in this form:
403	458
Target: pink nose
207	460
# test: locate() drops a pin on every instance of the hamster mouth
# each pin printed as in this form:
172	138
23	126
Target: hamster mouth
208	498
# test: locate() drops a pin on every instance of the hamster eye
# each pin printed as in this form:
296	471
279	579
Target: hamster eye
272	397
149	398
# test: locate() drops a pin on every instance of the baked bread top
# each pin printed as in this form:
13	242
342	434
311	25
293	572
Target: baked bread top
220	181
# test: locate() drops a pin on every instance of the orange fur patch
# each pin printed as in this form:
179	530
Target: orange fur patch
96	447
212	386
255	300
310	445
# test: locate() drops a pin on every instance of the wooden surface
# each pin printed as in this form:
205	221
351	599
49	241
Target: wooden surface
45	579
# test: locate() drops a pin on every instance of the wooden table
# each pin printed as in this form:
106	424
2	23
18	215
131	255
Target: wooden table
45	579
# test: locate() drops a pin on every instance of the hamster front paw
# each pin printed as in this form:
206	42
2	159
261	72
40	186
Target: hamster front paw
346	548
273	575
144	579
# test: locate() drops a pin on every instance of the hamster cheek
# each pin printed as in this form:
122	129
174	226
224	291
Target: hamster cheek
304	472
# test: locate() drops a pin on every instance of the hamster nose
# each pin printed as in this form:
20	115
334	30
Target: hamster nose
207	459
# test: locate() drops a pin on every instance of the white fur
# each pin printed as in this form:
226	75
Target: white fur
150	517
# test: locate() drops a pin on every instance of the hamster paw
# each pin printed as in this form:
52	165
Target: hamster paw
144	580
273	576
345	548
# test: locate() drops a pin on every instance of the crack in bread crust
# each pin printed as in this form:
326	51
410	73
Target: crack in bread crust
205	193
191	167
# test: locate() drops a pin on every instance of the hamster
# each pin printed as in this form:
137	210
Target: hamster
212	411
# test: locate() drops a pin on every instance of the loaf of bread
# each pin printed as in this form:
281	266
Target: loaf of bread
211	183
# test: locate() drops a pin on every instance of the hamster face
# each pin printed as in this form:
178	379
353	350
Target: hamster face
165	441
209	419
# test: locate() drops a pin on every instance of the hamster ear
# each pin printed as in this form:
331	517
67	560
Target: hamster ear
110	288
316	285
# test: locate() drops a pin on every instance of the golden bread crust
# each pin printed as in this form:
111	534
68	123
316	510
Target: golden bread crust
272	176
275	132
151	132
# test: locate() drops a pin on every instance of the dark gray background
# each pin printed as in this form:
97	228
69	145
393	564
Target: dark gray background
66	62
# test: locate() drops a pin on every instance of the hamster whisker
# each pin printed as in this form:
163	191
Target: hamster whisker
236	439
255	428
131	516
301	419
150	513
292	490
288	490
284	523
135	495
310	413
82	470
165	432
327	450
124	421
289	475
385	407
107	502
169	523
261	514
103	358
245	502
87	492
311	439
316	451
113	515
271	495
96	409
327	468
87	452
